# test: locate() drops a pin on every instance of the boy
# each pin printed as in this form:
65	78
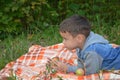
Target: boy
94	51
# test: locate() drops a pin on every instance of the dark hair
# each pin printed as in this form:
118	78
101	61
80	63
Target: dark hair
76	25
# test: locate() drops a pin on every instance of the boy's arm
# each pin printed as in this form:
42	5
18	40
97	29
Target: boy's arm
114	45
74	68
63	67
92	62
71	68
77	70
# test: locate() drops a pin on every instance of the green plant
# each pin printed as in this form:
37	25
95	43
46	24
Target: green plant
29	16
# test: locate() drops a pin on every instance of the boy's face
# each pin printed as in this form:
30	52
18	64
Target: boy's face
71	42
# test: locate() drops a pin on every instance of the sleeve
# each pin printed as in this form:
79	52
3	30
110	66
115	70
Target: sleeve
92	62
74	68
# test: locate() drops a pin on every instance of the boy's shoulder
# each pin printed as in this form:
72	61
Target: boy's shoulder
98	47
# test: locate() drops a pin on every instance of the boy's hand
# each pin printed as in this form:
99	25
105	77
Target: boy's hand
57	65
115	45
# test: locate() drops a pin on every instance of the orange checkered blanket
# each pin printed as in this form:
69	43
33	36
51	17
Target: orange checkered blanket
32	65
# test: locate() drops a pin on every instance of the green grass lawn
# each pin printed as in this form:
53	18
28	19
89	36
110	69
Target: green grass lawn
11	48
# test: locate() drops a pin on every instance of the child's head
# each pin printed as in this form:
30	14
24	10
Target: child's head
75	25
75	28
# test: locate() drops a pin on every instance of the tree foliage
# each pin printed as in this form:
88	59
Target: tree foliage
30	16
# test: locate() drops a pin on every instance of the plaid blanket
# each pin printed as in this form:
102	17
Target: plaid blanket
32	65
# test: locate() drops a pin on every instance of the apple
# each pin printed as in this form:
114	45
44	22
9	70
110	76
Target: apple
79	72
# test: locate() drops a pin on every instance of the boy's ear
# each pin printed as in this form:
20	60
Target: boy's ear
80	37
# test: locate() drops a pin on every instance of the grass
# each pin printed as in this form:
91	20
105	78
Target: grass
11	48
